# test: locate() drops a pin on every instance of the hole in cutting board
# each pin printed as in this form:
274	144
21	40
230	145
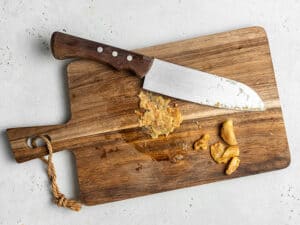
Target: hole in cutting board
33	142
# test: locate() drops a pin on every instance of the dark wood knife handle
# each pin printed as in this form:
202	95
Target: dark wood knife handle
66	46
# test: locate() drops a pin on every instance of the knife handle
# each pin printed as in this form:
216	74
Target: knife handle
66	46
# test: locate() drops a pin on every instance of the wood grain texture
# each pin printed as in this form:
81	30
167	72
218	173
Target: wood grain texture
116	160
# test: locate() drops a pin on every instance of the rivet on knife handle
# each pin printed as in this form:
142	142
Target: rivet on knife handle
67	46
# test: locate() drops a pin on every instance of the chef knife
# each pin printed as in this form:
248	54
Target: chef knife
160	76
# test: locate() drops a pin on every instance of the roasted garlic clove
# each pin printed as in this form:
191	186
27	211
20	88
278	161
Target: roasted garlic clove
230	152
216	151
227	133
202	143
233	165
157	115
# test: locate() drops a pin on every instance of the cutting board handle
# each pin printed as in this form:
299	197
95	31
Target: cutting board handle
19	139
67	46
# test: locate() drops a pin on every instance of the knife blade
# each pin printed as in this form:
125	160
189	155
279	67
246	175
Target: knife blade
200	87
162	77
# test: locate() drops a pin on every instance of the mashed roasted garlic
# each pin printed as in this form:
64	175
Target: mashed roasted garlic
157	116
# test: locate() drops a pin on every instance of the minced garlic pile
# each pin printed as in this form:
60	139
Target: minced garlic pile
158	117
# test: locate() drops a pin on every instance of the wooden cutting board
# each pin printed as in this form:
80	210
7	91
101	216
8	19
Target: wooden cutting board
117	160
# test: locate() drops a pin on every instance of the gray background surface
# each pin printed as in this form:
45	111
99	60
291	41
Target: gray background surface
33	92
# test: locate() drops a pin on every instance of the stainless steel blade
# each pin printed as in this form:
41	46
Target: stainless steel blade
200	87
